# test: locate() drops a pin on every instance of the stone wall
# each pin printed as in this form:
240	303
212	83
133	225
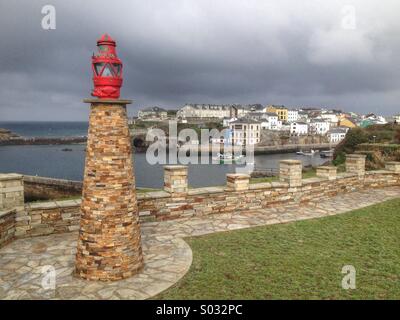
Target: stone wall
7	226
63	216
41	188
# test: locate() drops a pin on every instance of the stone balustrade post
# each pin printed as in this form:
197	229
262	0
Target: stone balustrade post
290	171
393	166
11	191
237	181
176	179
355	163
13	222
329	172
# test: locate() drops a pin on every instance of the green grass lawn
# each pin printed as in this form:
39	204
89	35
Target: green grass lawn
299	260
307	174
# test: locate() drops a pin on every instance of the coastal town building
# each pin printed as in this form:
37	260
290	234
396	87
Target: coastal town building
293	115
319	126
153	113
371	119
330	117
281	111
245	131
218	111
345	121
396	118
335	135
271	122
226	121
298	128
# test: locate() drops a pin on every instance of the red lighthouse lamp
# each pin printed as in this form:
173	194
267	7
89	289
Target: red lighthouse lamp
107	69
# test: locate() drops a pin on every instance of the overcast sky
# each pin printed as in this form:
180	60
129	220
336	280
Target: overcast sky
296	53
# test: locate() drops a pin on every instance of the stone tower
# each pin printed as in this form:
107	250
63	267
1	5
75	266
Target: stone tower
109	245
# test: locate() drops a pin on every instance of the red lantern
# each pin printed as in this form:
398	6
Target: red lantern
107	69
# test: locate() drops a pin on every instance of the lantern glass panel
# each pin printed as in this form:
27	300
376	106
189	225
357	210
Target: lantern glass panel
107	72
117	68
98	67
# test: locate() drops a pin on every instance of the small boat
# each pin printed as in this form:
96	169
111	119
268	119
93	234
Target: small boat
326	153
311	153
228	158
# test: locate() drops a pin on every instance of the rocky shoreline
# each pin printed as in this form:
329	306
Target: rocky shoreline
8	138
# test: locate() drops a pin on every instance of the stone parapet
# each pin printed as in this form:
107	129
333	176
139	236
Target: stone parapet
237	181
176	179
43	188
329	172
393	166
355	163
290	171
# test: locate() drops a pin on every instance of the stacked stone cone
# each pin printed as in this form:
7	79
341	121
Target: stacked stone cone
109	245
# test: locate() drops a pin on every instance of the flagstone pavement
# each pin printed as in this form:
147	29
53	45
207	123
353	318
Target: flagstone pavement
25	262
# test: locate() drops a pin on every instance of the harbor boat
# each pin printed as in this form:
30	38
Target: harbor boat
311	153
228	158
326	153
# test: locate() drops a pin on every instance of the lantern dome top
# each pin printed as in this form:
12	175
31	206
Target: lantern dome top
105	39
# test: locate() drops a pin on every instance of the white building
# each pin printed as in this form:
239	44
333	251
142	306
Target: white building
331	117
205	111
293	115
396	118
227	121
153	113
271	122
245	131
337	134
298	128
319	126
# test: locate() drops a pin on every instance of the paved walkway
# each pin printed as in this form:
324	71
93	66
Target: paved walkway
167	256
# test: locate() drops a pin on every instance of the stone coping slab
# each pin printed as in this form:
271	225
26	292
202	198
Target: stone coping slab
10	176
198	191
314	180
6	212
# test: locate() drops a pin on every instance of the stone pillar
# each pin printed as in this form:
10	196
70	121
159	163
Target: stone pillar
12	211
237	181
355	163
329	172
393	166
109	244
290	171
176	179
11	191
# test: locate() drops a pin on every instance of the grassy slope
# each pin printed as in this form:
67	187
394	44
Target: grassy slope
300	260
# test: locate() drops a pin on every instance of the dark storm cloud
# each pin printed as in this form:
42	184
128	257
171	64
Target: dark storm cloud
287	52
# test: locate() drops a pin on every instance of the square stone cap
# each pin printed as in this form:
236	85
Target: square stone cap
10	176
107	101
290	162
356	155
238	175
175	167
327	167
